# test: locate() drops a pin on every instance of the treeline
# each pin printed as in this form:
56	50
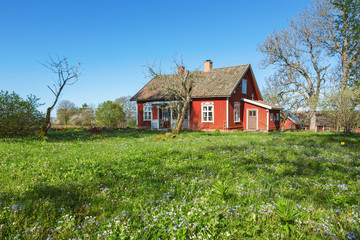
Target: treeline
20	117
111	114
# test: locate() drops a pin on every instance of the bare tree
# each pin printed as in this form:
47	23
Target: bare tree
65	75
177	88
339	108
298	57
272	93
129	107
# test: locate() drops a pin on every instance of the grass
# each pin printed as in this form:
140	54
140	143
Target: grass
127	185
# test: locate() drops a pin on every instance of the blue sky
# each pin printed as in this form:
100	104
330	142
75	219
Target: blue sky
115	39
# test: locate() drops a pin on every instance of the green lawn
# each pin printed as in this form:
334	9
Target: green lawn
200	185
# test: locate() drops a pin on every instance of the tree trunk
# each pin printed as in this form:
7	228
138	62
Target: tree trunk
46	125
182	116
313	120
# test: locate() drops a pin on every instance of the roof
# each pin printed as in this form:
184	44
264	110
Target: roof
219	82
263	104
294	119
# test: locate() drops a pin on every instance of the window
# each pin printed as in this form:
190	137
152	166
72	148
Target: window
147	113
236	112
326	129
277	117
207	112
271	117
252	96
244	86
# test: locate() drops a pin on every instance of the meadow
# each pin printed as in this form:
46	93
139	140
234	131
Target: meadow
129	184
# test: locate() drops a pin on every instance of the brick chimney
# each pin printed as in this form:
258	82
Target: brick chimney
208	65
181	69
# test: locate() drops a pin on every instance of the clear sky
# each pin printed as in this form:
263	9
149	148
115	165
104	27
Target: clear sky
115	39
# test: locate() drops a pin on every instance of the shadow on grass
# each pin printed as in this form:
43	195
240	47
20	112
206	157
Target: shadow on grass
82	135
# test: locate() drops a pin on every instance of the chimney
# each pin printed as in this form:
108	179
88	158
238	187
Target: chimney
207	65
181	69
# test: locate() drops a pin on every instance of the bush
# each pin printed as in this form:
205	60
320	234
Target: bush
95	130
131	124
109	114
19	117
68	128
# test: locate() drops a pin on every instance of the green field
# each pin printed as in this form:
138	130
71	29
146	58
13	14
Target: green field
200	185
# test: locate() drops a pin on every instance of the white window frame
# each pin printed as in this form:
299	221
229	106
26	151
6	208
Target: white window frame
271	116
277	116
147	113
207	105
236	110
244	86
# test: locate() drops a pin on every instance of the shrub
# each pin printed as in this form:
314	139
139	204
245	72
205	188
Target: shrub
95	130
68	128
131	123
109	114
19	117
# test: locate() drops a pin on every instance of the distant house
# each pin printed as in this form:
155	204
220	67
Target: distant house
292	123
302	121
224	98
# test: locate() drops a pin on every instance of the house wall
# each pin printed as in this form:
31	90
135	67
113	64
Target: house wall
262	117
140	116
237	95
219	114
275	124
287	125
155	113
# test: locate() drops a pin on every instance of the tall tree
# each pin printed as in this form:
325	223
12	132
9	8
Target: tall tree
66	74
299	60
339	25
65	111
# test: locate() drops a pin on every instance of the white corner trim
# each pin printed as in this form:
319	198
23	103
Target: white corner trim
227	113
267	119
260	104
137	115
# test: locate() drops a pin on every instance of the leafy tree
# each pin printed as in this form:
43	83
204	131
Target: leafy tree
109	114
19	117
66	110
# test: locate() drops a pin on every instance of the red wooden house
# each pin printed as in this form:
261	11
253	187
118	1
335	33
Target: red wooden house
292	123
223	98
